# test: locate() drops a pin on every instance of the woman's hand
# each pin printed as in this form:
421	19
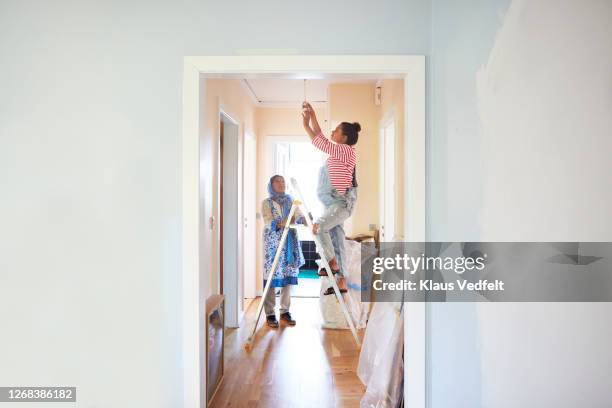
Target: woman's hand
313	117
306	118
281	224
308	107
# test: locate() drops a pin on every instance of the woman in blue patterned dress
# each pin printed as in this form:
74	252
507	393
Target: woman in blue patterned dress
275	210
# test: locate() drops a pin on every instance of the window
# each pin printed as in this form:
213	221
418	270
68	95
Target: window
300	160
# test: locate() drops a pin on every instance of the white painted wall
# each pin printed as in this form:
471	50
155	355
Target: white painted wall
545	102
90	169
544	99
520	145
90	128
354	102
392	108
462	37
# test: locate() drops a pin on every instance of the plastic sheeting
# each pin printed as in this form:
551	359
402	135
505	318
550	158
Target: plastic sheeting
381	366
333	318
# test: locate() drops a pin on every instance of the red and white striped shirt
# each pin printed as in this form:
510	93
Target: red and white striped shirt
340	163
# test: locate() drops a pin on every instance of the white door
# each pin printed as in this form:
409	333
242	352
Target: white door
249	210
232	222
387	172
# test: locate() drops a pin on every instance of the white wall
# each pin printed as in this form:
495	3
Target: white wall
544	99
350	102
462	37
90	128
520	146
392	106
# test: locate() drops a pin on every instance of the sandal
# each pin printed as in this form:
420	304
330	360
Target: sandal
331	291
323	272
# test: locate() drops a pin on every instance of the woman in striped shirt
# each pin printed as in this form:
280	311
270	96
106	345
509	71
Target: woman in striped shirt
337	187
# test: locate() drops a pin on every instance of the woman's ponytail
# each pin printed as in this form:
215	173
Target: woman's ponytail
351	131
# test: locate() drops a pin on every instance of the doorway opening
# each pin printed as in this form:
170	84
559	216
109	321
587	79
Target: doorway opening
201	222
287	151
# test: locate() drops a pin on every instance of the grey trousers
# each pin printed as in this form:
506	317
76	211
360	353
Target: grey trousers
270	300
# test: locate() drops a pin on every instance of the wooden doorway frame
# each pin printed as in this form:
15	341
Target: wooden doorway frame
198	227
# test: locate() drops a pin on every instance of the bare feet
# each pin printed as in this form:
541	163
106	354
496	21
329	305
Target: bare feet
342	284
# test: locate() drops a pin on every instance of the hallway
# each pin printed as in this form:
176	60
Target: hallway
302	366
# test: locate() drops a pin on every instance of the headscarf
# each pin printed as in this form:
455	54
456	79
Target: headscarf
285	201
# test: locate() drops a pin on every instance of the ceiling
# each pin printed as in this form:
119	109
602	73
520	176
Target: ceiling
285	92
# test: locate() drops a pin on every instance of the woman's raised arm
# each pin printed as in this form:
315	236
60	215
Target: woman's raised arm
308	117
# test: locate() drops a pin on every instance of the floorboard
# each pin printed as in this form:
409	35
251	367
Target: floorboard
303	366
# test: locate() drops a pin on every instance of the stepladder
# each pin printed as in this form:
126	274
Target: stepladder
300	204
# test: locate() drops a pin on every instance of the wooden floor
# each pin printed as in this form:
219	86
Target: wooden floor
302	366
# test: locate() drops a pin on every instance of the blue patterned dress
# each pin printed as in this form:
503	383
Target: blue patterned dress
274	210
